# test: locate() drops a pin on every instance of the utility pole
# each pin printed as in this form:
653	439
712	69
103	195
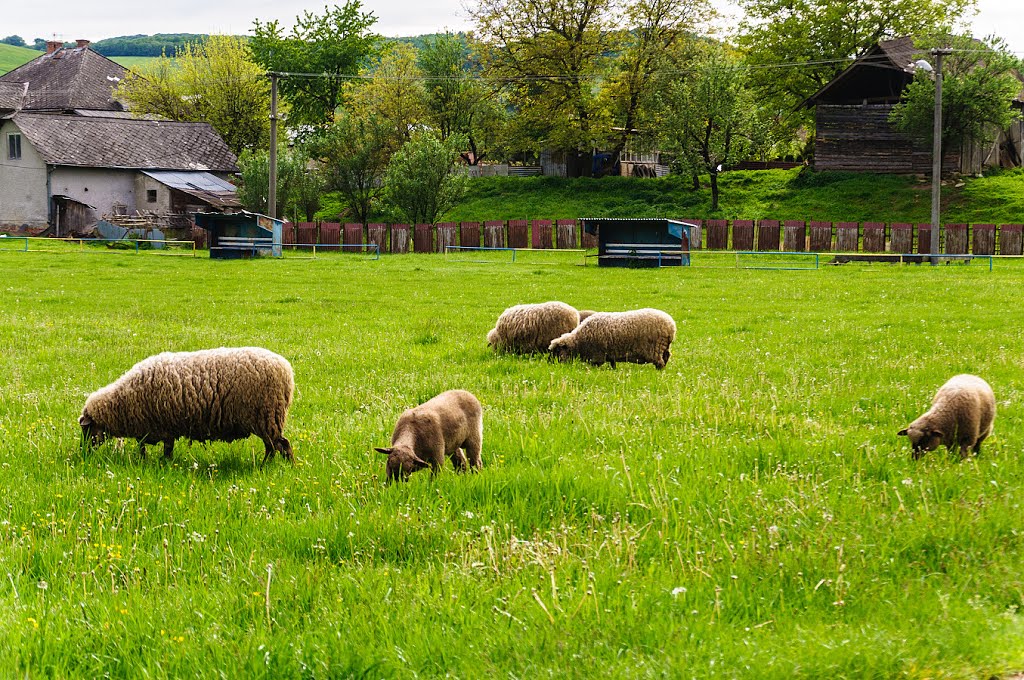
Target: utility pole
938	53
272	196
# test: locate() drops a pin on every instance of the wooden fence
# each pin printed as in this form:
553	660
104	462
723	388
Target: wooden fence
744	235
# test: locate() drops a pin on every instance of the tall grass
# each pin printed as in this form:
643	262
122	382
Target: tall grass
747	512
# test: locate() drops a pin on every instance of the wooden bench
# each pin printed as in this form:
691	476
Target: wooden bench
250	244
644	254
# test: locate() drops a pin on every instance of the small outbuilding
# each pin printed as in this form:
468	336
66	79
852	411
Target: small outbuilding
641	242
242	234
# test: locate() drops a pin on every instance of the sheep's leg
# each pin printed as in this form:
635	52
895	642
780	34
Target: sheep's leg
168	449
459	460
268	449
473	446
285	447
142	448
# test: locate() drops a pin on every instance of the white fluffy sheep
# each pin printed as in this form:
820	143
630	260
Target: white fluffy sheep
424	435
525	329
642	336
961	415
586	314
215	394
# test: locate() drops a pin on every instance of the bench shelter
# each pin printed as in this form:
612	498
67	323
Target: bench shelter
641	242
241	234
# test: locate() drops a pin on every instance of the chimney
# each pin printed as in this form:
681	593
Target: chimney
53	45
82	42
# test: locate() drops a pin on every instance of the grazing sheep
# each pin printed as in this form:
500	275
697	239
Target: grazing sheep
525	329
961	415
219	394
586	314
642	336
424	435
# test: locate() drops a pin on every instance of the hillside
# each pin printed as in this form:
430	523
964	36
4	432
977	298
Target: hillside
12	57
777	194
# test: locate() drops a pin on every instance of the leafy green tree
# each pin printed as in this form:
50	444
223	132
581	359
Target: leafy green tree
393	90
979	82
332	45
458	100
657	43
353	154
215	81
707	116
800	45
550	54
15	40
422	182
300	183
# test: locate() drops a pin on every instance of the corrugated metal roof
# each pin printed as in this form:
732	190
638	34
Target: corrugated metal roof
202	185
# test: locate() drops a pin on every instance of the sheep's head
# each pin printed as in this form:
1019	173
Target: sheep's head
92	432
922	439
402	462
559	350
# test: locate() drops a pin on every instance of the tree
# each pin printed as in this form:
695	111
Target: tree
393	90
458	100
549	54
979	82
707	116
421	182
657	39
800	45
15	40
353	153
299	186
328	48
215	81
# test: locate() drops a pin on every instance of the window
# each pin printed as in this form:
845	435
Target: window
13	146
150	195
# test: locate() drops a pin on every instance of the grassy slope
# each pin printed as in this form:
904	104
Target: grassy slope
130	62
12	57
748	512
778	194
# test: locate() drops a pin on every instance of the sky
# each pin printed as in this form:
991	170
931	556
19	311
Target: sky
73	19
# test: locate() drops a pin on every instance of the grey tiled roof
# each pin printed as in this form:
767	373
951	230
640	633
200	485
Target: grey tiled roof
126	143
70	78
12	96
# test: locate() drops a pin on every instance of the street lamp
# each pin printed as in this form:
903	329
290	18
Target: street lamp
938	53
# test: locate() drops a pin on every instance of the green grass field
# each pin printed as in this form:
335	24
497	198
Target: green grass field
747	512
12	57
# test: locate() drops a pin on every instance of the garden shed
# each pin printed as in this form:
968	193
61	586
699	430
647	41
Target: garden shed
241	234
641	242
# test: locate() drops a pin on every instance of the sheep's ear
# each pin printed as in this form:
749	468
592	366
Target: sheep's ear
936	433
902	433
418	463
386	452
84	420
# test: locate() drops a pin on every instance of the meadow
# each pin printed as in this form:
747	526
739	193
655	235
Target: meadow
747	512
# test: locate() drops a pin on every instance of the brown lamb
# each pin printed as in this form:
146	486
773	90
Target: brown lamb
424	435
961	415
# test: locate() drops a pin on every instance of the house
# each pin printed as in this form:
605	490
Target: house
71	155
852	128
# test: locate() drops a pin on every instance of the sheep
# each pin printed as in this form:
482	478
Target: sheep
961	415
642	336
424	435
219	394
526	329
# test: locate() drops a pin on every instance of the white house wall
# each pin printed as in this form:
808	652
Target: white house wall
107	191
22	184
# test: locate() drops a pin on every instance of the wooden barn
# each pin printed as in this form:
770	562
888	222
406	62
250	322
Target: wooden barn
852	129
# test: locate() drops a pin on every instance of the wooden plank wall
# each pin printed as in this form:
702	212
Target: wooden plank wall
821	237
768	235
794	239
956	239
494	234
874	237
399	238
541	234
902	239
846	237
565	233
984	239
423	238
743	234
352	237
307	234
718	234
1010	239
377	233
924	238
518	234
469	235
447	235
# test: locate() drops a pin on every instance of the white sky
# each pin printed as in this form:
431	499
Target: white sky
73	19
